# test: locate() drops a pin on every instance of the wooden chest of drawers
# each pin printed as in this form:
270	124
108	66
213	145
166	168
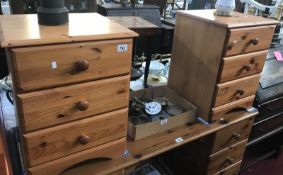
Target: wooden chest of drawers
229	147
71	87
217	61
216	64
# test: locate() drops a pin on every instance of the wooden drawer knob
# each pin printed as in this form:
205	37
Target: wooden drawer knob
236	136
82	105
230	160
82	65
231	45
84	139
239	93
255	41
248	67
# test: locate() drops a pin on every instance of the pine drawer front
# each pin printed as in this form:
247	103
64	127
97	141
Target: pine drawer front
51	66
120	172
231	170
52	143
242	104
226	157
236	90
232	134
250	39
42	109
240	66
110	150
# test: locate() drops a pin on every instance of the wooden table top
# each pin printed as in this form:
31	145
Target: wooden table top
24	30
133	22
237	20
155	145
145	148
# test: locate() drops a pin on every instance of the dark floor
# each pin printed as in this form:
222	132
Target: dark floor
270	166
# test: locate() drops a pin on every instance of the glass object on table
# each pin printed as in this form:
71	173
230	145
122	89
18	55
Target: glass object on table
225	7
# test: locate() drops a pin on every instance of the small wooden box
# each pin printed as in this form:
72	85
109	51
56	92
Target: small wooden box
148	129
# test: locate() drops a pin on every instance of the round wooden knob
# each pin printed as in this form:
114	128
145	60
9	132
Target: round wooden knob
239	93
84	139
248	67
230	160
82	65
231	45
236	135
255	41
82	105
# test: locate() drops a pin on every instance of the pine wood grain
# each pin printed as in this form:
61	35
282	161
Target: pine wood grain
231	170
243	104
240	40
132	22
232	134
240	66
236	90
196	56
24	30
202	42
52	143
42	109
154	145
219	161
236	21
120	172
111	150
33	69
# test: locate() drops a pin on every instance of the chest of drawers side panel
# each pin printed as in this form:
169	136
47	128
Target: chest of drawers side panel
196	57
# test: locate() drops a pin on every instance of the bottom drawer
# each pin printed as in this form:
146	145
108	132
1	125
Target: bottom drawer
225	158
242	104
231	170
110	150
52	143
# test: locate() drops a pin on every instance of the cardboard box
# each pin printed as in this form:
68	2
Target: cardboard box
148	129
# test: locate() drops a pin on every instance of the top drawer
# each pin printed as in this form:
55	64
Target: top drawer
50	66
245	40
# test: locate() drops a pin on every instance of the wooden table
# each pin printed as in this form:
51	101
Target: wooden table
146	148
144	29
135	23
155	145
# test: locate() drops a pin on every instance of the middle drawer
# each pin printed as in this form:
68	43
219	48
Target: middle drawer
52	143
47	108
235	90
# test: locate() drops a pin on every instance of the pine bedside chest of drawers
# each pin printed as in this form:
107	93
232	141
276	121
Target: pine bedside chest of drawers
217	61
71	87
216	64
